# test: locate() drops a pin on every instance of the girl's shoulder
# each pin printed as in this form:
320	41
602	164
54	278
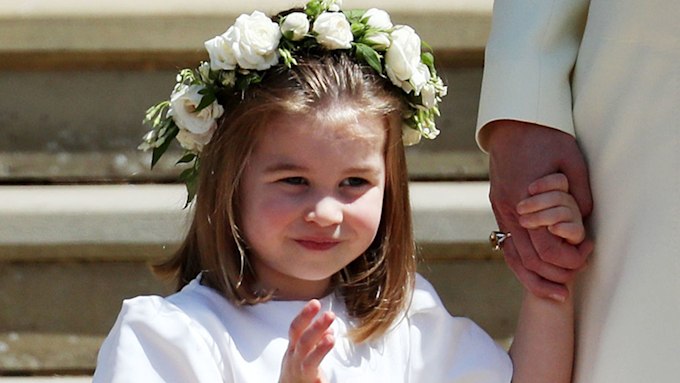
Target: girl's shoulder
191	312
427	310
152	333
193	301
451	345
425	296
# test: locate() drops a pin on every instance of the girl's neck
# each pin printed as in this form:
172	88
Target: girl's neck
297	290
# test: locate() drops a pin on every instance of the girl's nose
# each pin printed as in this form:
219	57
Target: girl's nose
325	212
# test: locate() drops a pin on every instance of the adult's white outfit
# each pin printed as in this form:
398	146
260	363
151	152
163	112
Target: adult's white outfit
196	335
608	72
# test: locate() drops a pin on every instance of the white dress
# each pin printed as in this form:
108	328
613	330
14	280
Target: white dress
607	71
198	336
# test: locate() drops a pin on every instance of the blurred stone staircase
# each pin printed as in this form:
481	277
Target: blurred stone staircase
81	216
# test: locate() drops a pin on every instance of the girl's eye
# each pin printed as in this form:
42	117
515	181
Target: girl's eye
294	181
354	182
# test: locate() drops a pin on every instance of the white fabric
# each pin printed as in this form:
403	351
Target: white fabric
198	336
624	106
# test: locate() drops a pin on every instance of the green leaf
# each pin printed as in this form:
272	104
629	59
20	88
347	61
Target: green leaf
370	56
207	99
427	58
358	29
186	158
169	136
354	15
314	8
243	82
190	178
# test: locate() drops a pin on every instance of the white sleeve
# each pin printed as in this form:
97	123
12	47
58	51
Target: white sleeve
451	349
154	341
529	59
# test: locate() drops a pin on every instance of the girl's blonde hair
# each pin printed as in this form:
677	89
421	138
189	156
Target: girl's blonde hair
377	285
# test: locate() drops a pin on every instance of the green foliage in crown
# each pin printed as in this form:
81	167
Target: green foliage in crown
255	43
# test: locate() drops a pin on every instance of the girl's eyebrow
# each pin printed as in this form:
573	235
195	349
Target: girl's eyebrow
292	167
370	170
283	167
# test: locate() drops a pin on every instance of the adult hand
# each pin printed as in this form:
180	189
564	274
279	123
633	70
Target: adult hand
309	341
521	153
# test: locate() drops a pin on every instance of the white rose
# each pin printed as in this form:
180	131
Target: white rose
252	41
221	54
377	18
333	31
402	59
183	103
295	26
193	142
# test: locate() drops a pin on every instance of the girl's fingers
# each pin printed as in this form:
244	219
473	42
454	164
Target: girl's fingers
310	340
553	207
551	182
548	217
302	321
572	232
313	334
545	201
323	347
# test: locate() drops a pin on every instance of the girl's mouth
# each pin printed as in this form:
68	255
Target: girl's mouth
317	244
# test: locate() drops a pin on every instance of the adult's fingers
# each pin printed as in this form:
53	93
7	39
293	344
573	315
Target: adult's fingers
530	257
553	250
531	281
551	182
573	165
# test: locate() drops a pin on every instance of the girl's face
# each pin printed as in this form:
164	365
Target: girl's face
312	195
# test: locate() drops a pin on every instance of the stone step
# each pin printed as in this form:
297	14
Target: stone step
47	379
152	215
85	126
76	237
75	106
60	312
133	26
70	253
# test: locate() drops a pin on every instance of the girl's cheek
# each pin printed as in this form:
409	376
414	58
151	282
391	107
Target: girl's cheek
369	209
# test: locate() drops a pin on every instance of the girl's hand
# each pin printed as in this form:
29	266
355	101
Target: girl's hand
551	206
310	340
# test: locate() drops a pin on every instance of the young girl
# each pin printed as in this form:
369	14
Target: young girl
299	265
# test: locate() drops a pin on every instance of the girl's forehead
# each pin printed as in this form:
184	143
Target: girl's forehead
354	126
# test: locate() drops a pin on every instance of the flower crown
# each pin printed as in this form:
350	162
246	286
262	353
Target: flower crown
255	43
